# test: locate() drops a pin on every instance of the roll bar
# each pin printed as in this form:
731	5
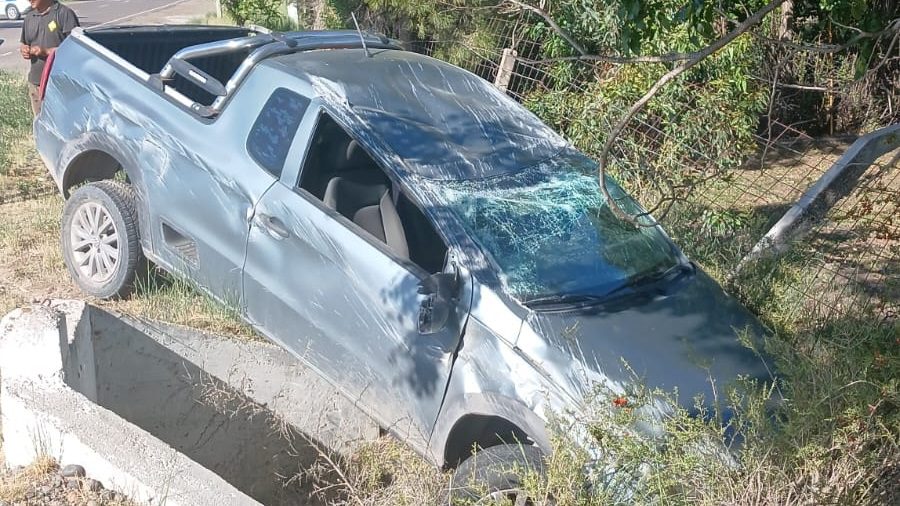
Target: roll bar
263	44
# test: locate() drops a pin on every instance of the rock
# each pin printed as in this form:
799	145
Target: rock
92	503
72	471
72	497
72	483
90	485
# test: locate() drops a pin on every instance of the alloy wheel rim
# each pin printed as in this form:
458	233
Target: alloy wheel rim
11	12
94	241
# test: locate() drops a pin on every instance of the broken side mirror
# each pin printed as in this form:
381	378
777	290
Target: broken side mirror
441	290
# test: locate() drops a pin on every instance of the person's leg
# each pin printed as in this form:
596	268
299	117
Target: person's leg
34	93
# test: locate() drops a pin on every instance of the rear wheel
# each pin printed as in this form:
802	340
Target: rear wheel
495	476
100	239
12	12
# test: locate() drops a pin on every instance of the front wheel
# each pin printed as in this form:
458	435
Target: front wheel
12	13
100	239
494	476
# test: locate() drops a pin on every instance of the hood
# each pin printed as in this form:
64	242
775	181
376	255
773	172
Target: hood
685	337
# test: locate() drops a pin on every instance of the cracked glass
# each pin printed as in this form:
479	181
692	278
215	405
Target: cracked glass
549	230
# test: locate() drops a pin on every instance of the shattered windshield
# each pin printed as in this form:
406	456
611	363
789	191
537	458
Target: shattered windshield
550	231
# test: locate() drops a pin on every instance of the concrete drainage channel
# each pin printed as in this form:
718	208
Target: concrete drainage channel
165	414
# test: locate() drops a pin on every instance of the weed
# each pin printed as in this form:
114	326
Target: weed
21	173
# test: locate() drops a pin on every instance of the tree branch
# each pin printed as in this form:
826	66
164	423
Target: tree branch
622	60
670	75
562	33
893	26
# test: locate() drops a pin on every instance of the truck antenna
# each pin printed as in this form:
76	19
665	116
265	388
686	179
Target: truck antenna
361	37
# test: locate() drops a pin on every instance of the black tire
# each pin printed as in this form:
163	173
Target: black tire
12	13
497	471
90	241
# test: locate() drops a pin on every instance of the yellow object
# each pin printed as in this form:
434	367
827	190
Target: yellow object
52	26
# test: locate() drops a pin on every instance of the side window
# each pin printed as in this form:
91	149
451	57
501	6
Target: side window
340	173
273	131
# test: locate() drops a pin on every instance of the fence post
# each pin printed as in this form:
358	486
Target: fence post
507	63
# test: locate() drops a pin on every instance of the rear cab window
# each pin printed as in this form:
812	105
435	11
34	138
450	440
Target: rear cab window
273	131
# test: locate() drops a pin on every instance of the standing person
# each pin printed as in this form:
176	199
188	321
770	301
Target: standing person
46	25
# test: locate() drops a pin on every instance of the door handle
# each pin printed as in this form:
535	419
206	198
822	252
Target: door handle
274	226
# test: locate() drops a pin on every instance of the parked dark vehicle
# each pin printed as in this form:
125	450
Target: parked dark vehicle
405	228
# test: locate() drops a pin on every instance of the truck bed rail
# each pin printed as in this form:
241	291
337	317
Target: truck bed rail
266	44
262	44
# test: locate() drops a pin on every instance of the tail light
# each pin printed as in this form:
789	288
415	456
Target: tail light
45	76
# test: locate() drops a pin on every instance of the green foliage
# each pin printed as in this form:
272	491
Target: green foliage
838	21
412	21
696	127
264	12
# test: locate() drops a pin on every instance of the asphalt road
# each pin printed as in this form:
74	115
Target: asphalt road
90	12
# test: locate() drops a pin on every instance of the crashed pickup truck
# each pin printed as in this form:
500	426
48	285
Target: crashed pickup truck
399	224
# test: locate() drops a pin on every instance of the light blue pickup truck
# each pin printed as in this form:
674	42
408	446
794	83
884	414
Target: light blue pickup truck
399	224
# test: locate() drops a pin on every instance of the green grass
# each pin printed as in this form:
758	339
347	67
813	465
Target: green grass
22	175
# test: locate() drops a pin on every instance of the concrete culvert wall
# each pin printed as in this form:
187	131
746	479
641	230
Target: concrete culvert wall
164	413
197	414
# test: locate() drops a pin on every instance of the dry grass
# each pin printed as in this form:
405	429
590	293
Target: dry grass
32	269
388	472
33	485
13	488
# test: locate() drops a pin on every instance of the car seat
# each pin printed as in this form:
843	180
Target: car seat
362	193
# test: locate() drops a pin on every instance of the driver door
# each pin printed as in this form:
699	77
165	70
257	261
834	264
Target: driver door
331	293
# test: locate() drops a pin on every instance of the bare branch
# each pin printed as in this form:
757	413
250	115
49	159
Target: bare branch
562	33
670	75
621	60
804	87
892	27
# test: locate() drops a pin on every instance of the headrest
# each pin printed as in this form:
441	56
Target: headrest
356	156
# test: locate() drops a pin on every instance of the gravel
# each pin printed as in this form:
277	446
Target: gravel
51	486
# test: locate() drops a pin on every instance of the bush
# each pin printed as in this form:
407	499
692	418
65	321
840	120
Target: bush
263	12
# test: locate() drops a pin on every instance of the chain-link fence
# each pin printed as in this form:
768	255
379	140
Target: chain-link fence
717	199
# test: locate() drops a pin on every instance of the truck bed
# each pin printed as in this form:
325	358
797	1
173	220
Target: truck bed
150	47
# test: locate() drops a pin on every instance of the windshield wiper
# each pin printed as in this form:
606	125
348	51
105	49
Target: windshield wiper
586	299
567	299
653	277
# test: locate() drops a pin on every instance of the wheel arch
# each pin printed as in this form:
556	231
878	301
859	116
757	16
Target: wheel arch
90	165
96	157
485	420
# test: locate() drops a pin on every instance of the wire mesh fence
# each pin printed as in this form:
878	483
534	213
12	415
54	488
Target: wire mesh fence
717	199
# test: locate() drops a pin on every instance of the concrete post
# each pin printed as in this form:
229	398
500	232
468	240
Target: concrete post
507	64
834	185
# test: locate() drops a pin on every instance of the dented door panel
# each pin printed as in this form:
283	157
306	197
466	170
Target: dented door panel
336	300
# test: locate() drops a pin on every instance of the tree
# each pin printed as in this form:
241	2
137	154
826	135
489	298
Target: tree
259	11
